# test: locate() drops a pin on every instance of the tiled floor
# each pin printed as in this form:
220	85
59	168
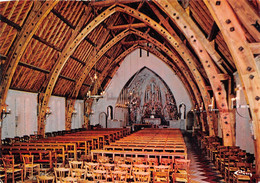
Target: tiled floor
202	170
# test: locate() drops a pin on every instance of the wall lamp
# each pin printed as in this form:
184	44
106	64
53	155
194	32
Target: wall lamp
48	112
5	111
235	102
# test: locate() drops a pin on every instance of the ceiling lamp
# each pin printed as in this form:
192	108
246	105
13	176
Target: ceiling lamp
95	94
95	86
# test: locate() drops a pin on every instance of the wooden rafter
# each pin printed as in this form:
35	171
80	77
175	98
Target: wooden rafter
127	26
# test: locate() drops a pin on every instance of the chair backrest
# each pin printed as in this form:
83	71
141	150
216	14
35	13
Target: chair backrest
61	173
27	159
76	164
119	176
141	168
92	166
142	177
8	161
100	175
182	164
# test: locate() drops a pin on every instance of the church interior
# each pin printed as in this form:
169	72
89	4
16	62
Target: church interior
130	91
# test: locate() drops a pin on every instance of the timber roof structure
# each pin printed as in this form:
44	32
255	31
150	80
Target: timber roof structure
53	47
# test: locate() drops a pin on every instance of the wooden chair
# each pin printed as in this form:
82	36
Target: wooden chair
119	160
76	169
230	168
11	168
142	176
161	174
126	168
119	176
45	179
69	180
100	175
29	166
109	167
61	173
181	170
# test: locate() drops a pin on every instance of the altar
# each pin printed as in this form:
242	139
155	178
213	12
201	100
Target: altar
154	121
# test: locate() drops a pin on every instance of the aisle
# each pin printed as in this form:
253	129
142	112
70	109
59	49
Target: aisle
202	170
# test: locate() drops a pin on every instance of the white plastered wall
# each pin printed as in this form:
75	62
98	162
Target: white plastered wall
23	118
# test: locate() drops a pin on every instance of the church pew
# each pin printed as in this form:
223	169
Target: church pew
40	156
58	150
70	148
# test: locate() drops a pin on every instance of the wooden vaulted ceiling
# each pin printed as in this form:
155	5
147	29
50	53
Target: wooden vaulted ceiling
40	57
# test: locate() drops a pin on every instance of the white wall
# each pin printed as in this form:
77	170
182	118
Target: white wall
23	117
56	120
244	137
77	119
133	63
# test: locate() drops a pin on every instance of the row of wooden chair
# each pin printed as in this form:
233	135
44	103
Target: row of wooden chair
229	160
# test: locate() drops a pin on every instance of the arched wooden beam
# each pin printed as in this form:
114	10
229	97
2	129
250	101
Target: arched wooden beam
170	54
175	42
244	60
37	15
53	78
178	62
172	39
70	47
183	51
85	71
176	12
195	98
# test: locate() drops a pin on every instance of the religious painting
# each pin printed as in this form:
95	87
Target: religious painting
146	95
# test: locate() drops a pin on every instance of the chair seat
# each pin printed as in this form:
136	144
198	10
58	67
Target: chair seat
180	179
182	171
31	165
231	169
243	177
10	170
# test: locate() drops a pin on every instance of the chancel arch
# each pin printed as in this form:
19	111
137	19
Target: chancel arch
134	63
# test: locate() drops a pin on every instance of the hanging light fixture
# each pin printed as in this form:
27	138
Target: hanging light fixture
97	90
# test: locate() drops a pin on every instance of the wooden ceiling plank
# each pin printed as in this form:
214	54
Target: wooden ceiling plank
76	8
44	32
9	14
200	14
35	59
6	5
246	66
26	56
247	15
46	61
63	19
224	49
62	37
